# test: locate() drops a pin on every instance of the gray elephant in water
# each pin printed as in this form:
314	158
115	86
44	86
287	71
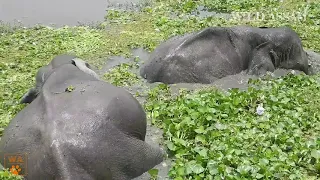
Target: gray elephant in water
216	52
79	127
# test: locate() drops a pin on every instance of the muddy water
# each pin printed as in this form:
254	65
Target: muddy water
58	13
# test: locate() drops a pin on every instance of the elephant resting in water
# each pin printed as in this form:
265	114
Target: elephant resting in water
216	52
91	131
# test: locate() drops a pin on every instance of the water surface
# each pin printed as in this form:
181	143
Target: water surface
57	13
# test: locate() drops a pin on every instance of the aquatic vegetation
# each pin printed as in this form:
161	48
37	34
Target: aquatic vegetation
213	135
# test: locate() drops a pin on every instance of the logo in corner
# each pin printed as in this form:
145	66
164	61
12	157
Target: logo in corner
17	163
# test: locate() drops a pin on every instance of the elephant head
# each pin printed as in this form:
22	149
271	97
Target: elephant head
297	59
45	71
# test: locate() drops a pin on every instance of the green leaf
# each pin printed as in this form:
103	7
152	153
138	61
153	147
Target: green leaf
315	153
202	151
181	171
264	162
171	146
209	118
153	172
200	138
194	167
259	176
178	178
212	167
200	130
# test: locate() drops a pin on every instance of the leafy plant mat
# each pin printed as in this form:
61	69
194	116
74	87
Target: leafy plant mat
213	135
121	75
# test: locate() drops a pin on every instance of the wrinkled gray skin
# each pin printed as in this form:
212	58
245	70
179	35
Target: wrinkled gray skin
97	131
216	52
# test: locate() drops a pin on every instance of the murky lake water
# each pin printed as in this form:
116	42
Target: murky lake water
59	12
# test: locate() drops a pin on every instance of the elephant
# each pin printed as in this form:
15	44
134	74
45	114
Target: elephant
77	126
45	71
216	52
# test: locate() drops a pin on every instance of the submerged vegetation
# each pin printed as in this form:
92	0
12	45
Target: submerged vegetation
210	134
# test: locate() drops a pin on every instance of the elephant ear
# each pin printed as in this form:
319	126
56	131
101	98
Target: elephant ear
262	60
84	66
29	96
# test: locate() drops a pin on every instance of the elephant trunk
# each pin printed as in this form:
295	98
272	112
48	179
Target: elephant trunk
304	64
